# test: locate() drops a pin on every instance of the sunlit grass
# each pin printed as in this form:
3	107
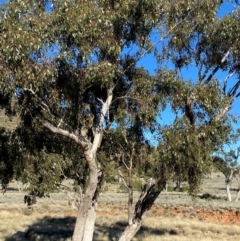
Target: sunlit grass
154	228
53	219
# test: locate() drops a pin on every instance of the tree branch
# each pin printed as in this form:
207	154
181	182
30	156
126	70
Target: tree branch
98	132
44	106
226	82
223	112
83	144
234	89
123	179
218	66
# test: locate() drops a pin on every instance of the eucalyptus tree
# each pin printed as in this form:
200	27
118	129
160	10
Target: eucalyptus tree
74	66
226	160
66	61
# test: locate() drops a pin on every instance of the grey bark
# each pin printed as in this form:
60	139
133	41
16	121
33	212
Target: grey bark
229	197
228	179
87	207
90	223
131	231
238	196
144	203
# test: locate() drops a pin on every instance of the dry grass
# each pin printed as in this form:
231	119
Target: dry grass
167	229
14	225
182	229
53	219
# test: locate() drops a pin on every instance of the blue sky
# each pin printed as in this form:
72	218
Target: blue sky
190	73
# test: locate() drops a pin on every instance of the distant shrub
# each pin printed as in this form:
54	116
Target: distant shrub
208	196
170	188
184	188
121	189
137	186
111	179
105	188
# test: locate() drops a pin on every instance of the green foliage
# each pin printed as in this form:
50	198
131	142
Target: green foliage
65	59
226	157
7	158
137	185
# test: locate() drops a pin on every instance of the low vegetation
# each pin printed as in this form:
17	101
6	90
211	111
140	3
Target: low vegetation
175	216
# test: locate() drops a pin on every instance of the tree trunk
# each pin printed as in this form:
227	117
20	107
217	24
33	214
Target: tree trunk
86	212
90	223
229	197
130	196
86	216
166	188
238	195
130	231
144	203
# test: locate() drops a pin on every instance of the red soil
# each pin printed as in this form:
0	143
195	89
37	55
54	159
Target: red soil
221	216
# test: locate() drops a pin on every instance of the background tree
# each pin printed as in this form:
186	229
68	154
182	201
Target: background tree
225	159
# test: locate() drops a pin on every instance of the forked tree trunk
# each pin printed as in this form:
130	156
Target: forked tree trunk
144	203
84	226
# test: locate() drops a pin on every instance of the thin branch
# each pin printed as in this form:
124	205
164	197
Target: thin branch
223	112
234	89
226	82
44	106
200	78
219	65
64	191
124	163
237	95
123	179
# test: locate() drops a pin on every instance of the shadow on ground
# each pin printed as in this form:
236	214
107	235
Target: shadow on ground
61	229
